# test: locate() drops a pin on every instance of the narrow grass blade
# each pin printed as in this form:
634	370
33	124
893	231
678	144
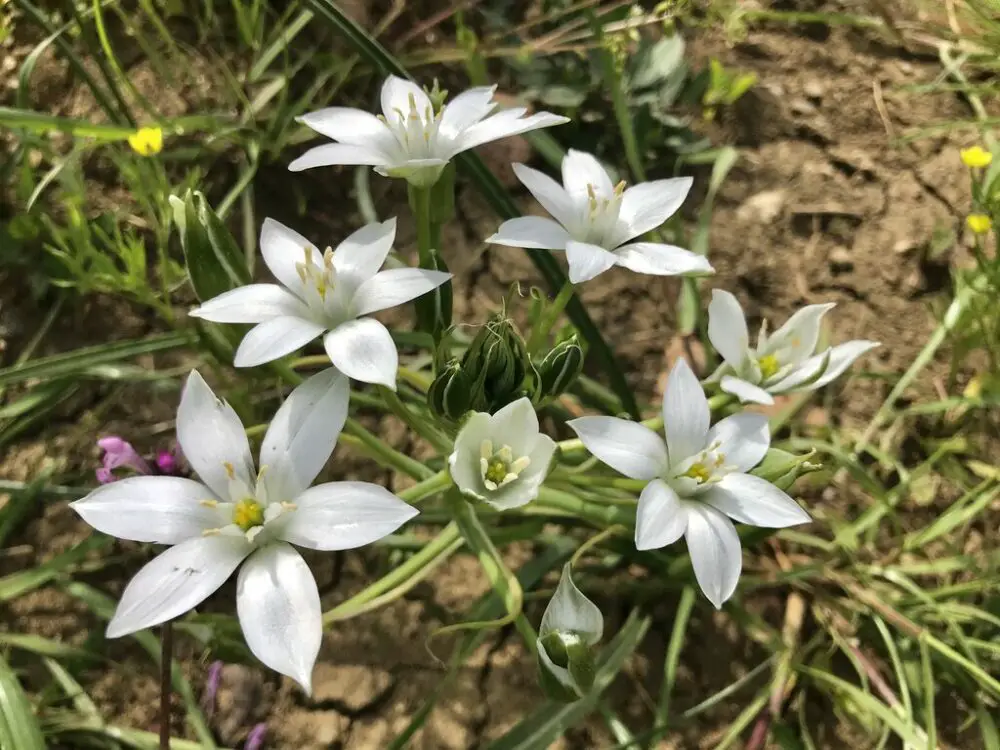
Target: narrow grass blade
19	728
16	584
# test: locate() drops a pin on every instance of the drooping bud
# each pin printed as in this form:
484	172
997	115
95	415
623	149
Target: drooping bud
450	395
782	468
560	368
497	364
571	626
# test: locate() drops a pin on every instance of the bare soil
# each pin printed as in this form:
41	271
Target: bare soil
825	204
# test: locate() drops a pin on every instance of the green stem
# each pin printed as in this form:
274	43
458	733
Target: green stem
426	488
423	427
434	308
595	513
356	434
420	202
400	580
549	317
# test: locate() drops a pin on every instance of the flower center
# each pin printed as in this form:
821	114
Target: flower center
322	278
602	217
414	130
248	513
769	365
698	472
499	468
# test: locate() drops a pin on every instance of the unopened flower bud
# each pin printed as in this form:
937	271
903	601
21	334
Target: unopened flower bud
450	395
571	626
560	368
782	468
497	364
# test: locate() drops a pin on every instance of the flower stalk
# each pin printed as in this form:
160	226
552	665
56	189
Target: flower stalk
434	308
166	662
549	317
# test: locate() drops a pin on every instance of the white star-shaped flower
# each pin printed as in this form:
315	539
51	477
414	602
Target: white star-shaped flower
324	294
234	515
409	139
502	459
698	479
783	362
595	221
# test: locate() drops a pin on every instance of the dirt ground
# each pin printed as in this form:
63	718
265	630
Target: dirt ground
822	206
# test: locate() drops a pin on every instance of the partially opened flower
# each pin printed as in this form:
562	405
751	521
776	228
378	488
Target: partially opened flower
411	139
234	515
571	626
502	459
698	479
783	362
596	222
324	294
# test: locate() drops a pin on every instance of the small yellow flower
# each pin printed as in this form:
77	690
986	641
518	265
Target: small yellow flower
146	141
979	223
974	389
976	157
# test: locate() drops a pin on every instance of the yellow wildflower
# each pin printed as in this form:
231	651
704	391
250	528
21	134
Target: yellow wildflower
979	223
146	141
976	157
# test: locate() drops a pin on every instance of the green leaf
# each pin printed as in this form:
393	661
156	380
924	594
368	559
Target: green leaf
498	198
541	729
19	728
215	262
16	584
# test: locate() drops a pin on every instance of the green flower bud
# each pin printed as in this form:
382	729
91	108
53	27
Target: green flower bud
497	364
450	395
560	368
571	626
782	468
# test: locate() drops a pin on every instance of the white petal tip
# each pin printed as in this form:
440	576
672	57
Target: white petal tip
116	631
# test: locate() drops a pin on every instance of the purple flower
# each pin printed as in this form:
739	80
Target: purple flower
118	453
167	462
255	740
211	688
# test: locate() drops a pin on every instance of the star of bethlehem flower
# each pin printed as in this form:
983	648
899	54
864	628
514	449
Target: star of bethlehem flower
783	362
324	294
596	222
410	139
234	515
570	627
502	459
698	479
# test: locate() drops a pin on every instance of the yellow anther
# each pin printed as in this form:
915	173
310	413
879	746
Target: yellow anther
496	471
976	157
210	532
699	472
289	506
146	141
247	514
209	503
620	187
768	365
230	471
979	223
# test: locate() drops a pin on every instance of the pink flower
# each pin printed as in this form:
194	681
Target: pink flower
255	740
119	453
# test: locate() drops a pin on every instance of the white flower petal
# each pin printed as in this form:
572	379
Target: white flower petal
463	463
338	154
177	580
275	338
685	413
212	437
580	170
627	447
743	439
347	125
648	205
396	98
502	125
363	253
587	261
837	360
363	350
661	517
755	501
253	303
465	110
390	288
303	433
744	391
570	610
550	194
278	605
727	328
515	425
283	249
715	551
534	232
161	510
344	515
658	259
797	338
